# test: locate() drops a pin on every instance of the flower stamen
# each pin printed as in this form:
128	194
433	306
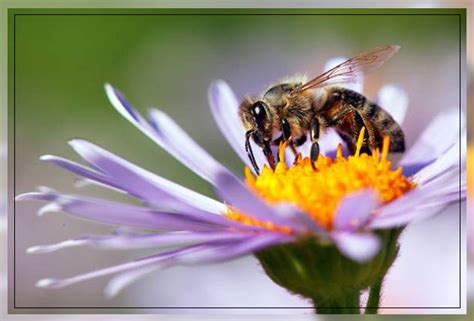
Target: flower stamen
339	151
319	192
281	152
360	141
385	146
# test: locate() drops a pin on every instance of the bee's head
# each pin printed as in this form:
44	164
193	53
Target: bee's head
257	119
263	123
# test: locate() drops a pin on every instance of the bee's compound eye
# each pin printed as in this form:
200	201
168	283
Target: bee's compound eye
259	113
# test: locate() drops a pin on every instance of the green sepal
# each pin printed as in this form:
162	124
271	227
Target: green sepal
318	271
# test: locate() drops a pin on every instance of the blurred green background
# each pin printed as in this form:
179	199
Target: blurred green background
63	61
169	61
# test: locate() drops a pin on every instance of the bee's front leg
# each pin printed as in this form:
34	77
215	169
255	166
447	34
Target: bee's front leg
286	130
267	151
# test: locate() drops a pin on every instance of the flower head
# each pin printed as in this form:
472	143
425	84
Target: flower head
319	191
350	205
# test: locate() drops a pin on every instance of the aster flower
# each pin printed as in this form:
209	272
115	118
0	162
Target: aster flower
326	234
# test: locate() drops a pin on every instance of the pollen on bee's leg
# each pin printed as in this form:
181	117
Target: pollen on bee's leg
360	141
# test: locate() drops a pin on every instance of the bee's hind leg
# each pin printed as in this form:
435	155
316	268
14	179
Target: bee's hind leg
369	144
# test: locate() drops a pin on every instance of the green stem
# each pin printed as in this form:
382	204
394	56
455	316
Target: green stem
374	297
344	304
373	302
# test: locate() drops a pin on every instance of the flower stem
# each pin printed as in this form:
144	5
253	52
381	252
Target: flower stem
374	297
375	292
344	304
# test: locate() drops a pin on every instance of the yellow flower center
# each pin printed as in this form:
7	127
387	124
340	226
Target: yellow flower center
319	191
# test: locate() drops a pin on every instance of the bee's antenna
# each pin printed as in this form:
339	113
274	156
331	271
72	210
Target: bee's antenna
248	149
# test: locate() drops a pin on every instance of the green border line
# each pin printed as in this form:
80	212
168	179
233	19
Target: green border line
240	11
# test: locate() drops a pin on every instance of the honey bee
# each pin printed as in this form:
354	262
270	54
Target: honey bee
293	110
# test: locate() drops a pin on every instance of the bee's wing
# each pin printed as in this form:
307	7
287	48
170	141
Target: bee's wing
351	69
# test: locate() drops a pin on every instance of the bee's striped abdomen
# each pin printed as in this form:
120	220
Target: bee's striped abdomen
385	125
378	122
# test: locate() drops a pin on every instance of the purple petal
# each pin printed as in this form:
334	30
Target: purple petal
39	249
203	255
447	187
355	209
421	203
310	225
234	192
190	154
110	212
454	157
85	172
234	249
85	182
121	281
422	194
356	246
152	188
151	193
428	208
224	108
139	241
413	168
394	100
329	142
126	110
407	217
147	261
179	144
437	138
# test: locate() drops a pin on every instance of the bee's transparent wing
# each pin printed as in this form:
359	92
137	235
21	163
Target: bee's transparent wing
351	69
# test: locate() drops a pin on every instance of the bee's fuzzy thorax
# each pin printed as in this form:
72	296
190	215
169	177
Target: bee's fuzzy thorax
295	79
